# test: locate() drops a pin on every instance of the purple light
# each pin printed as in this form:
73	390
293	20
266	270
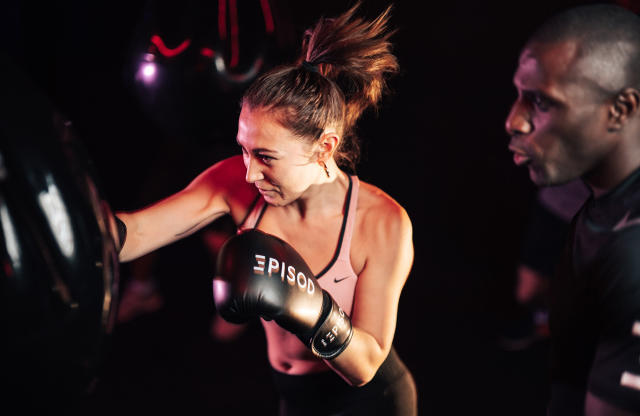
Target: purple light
148	71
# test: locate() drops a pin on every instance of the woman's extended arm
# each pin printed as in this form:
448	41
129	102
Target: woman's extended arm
211	195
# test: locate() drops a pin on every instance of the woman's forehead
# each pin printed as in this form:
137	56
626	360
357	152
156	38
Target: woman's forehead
260	127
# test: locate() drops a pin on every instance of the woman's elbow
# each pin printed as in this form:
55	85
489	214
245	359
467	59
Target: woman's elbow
361	377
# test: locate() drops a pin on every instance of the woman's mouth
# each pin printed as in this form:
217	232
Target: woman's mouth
264	191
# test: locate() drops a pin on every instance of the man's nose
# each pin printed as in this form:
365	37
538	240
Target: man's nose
518	122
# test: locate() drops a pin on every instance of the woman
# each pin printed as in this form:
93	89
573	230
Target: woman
296	134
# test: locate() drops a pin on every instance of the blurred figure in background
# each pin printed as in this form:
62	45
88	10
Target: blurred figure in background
214	236
545	235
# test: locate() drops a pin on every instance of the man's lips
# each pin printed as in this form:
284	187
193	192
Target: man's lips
520	157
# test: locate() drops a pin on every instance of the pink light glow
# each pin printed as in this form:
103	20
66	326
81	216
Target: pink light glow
208	52
168	52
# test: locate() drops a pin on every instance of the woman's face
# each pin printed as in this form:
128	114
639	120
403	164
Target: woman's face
280	164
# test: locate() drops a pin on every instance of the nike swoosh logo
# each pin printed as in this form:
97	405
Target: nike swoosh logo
336	280
626	222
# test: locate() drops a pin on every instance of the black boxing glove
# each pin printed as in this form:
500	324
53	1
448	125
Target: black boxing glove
261	275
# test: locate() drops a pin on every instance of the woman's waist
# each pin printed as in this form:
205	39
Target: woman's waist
294	366
287	354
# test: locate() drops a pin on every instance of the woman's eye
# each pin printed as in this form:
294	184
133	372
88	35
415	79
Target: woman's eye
266	159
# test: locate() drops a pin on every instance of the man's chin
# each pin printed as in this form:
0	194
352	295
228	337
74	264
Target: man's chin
539	177
542	178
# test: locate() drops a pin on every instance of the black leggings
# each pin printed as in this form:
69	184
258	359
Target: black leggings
392	392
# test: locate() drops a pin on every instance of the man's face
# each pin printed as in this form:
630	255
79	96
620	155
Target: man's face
558	122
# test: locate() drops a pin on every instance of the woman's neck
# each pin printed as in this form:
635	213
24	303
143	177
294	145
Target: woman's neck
325	196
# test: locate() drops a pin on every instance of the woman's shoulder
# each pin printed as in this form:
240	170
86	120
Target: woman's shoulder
226	173
228	176
224	177
378	211
384	234
232	166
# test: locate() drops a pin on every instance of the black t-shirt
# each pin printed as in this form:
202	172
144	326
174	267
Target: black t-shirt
595	310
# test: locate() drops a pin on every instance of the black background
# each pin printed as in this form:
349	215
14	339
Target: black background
437	145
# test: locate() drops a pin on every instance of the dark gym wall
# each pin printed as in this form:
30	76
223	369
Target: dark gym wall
437	145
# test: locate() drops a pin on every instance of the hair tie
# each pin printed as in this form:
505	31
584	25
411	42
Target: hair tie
309	66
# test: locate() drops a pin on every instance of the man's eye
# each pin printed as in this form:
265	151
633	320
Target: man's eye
541	102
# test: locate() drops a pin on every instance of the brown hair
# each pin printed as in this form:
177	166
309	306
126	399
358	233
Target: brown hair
342	70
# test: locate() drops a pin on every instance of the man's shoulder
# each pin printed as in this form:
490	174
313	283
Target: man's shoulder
618	261
624	242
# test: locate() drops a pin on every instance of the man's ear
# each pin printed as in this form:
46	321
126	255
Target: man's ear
624	106
326	145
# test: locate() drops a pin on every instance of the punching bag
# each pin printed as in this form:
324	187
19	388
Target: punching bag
59	271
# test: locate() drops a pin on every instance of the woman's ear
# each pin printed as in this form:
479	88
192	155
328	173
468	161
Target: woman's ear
326	145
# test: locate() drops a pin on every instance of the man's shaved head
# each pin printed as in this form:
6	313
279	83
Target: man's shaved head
608	40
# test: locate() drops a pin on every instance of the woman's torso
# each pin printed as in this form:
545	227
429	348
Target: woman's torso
325	244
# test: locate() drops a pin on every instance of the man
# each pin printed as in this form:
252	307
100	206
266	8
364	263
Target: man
577	115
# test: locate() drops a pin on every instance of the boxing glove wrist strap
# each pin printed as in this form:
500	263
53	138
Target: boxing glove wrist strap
334	332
